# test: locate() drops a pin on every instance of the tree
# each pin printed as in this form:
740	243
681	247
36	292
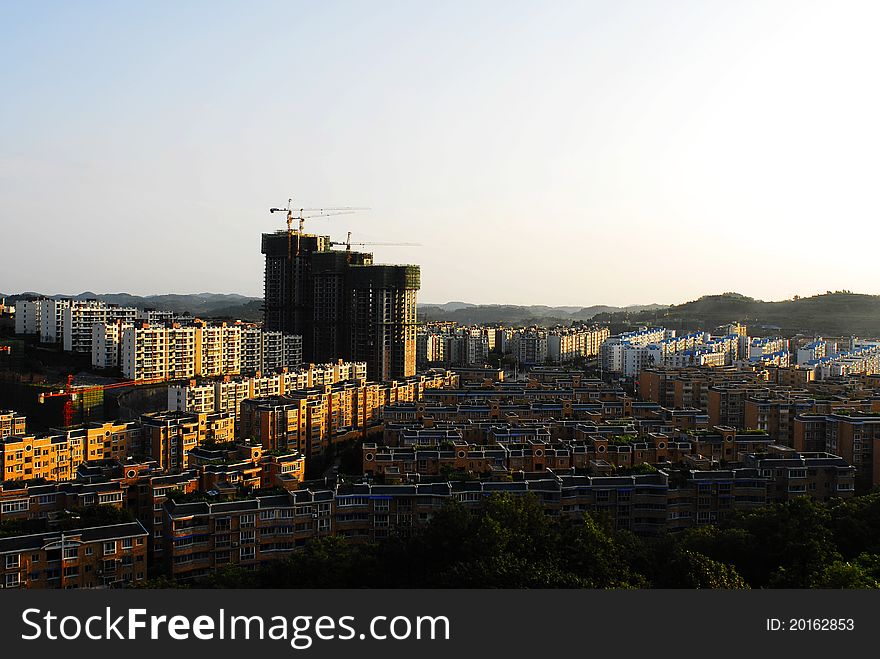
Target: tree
690	569
845	574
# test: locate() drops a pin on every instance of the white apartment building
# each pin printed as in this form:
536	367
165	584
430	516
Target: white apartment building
27	316
226	395
80	316
144	352
698	357
863	358
568	344
280	351
107	344
430	348
155	316
811	352
251	353
52	320
199	349
529	346
760	346
157	351
209	350
181	358
613	351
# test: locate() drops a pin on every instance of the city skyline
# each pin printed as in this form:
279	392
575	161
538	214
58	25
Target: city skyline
526	154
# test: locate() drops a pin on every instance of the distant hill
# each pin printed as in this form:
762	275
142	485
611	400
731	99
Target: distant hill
206	305
840	313
509	314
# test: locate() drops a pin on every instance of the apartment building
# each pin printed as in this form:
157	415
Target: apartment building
226	395
760	346
11	423
529	346
812	351
107	344
27	316
311	420
52	320
201	537
279	350
79	317
157	316
853	435
430	348
251	355
175	351
566	345
145	352
452	345
56	456
627	353
170	436
96	557
821	476
211	349
862	359
341	303
33	500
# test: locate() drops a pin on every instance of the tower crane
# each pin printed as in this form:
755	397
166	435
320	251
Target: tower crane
303	216
348	243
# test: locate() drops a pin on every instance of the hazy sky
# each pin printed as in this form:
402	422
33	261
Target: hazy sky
542	152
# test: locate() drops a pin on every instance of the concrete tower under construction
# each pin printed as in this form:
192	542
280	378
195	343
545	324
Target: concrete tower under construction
342	304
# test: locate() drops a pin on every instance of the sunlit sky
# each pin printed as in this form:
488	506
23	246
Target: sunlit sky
541	152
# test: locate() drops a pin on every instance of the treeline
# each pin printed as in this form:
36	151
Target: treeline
509	542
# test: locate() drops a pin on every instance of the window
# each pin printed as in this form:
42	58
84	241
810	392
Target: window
12	580
13	561
17	506
352	501
110	547
246	521
127	543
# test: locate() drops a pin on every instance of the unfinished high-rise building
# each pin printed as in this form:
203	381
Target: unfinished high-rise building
341	303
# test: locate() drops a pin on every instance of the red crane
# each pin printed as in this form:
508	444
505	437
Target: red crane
72	393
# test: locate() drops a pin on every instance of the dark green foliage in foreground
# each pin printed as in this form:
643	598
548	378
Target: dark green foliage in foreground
509	542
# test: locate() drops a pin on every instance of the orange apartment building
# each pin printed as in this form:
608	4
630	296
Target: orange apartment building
56	456
170	436
11	423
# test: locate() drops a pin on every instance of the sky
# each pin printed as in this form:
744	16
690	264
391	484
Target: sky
564	153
